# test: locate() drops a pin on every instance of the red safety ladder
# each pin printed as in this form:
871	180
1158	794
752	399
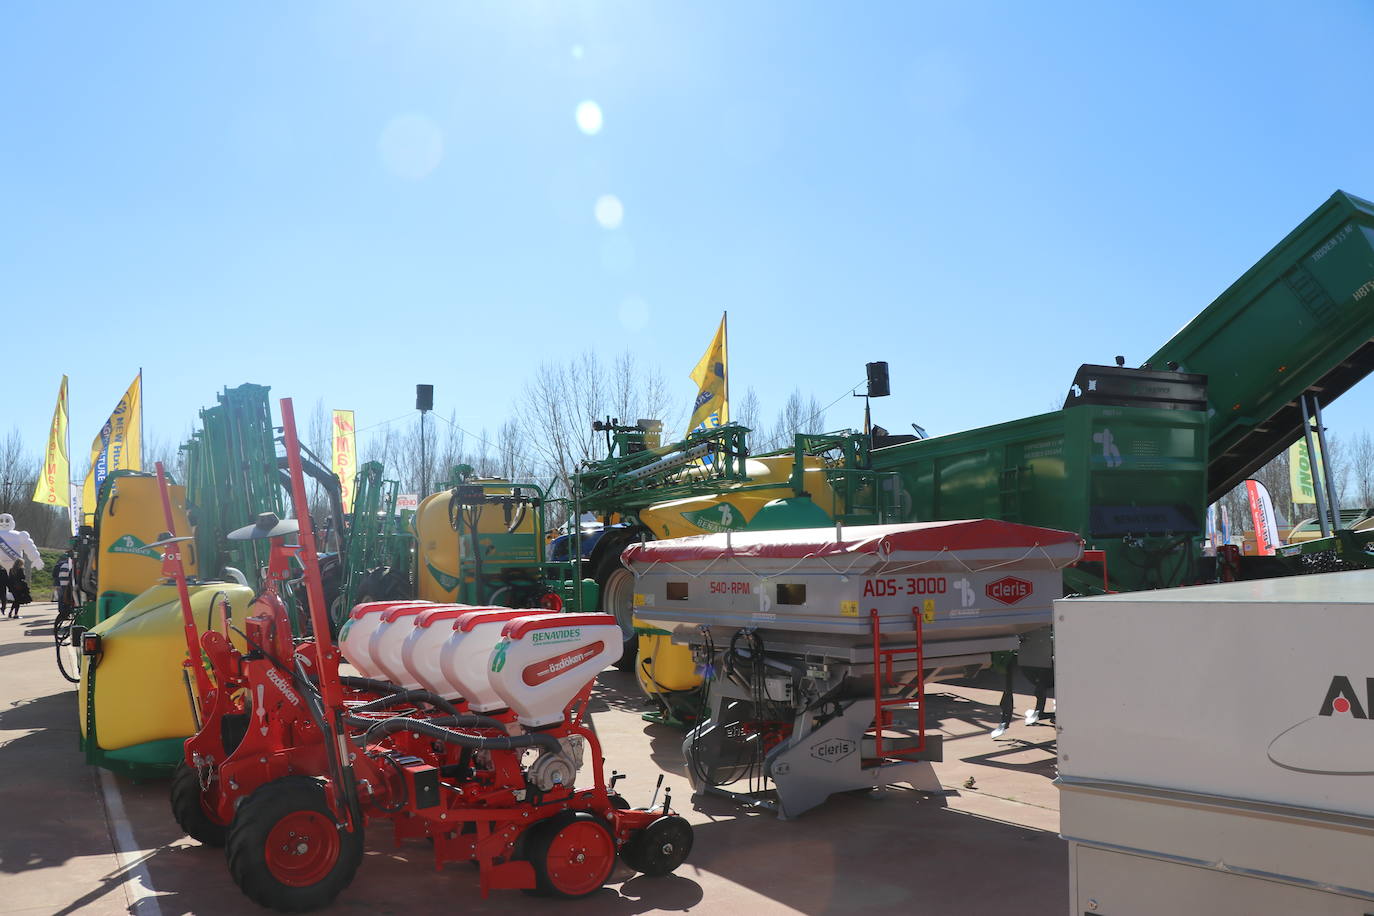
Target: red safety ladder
883	676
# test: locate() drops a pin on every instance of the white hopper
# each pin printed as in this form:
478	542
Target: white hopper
355	638
543	660
466	656
389	637
422	648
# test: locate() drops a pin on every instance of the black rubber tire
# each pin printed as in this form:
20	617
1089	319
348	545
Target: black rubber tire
659	848
189	811
246	849
615	585
67	655
541	838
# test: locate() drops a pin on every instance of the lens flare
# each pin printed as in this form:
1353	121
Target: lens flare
609	211
588	116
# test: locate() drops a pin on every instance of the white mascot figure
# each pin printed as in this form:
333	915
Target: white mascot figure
16	545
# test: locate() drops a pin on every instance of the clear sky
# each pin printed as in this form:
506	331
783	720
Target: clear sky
343	199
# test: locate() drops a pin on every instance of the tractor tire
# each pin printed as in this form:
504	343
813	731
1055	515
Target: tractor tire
189	809
285	850
572	854
659	848
617	586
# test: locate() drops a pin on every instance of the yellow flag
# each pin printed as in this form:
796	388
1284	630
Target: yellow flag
54	478
712	407
345	456
1300	477
118	446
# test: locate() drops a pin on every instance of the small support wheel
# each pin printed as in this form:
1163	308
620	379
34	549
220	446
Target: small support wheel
190	811
659	848
285	850
572	853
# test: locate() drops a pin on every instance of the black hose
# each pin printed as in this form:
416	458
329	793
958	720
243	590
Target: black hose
369	683
464	721
475	742
409	696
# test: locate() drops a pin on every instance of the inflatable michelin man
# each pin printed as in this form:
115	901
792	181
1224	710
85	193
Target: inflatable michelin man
15	545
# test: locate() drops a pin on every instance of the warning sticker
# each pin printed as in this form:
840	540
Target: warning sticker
849	609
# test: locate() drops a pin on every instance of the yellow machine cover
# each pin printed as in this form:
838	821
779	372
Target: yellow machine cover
131	519
733	509
141	694
438	546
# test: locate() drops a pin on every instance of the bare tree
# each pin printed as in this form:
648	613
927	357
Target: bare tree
798	415
559	404
19	470
746	412
1362	470
159	448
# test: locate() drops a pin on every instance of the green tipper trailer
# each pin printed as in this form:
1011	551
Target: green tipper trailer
1301	320
1131	480
1135	456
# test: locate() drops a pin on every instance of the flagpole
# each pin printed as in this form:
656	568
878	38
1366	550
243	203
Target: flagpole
725	356
142	431
72	522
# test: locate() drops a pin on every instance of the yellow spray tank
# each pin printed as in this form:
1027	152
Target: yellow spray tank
445	566
130	518
135	701
663	667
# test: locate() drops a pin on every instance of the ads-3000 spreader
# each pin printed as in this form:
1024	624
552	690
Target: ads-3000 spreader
818	642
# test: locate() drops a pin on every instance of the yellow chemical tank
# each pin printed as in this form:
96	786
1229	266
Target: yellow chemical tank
137	693
131	518
442	557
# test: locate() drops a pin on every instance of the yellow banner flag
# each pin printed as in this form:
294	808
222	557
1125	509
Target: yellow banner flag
118	446
345	456
1300	476
712	407
54	479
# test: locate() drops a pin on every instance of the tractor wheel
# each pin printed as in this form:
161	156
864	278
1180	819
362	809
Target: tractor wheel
660	847
188	807
617	597
572	853
285	850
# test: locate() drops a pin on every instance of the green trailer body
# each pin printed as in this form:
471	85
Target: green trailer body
1300	320
1131	480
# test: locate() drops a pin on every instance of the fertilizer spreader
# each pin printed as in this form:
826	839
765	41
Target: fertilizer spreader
468	728
819	642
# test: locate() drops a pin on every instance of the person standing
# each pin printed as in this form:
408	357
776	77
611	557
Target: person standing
4	589
19	588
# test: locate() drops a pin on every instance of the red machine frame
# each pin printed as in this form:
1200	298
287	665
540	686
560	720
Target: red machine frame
293	761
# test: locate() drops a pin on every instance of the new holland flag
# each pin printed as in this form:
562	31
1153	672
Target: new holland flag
118	446
712	407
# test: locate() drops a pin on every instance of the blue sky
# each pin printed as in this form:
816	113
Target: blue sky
343	199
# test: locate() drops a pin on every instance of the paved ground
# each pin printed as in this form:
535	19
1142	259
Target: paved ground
67	847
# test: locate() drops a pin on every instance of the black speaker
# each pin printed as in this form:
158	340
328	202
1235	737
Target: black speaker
877	380
424	396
